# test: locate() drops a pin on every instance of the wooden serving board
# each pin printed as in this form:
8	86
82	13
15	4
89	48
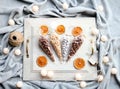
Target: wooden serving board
62	71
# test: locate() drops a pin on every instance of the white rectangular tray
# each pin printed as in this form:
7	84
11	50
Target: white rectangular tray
62	71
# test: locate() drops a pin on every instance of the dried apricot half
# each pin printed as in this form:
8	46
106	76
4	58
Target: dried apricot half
79	63
44	29
60	29
77	31
41	61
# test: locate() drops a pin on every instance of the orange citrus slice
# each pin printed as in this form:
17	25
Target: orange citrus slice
41	61
77	31
60	29
44	29
79	63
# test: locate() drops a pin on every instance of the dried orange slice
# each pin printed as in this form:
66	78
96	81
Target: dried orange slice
60	29
44	29
41	61
76	31
79	63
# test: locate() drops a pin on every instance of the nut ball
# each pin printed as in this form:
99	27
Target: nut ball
15	38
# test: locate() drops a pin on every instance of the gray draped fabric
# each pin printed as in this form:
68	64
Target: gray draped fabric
107	22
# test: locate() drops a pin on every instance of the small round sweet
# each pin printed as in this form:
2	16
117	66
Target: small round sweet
95	31
17	52
50	74
100	78
60	29
41	61
77	31
65	6
105	59
83	84
79	63
35	8
100	8
5	50
78	76
19	84
11	22
104	38
15	38
114	71
44	29
43	72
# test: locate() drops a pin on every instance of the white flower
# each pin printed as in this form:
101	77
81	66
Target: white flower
105	59
83	84
19	84
65	6
50	74
104	38
35	8
11	22
114	71
5	50
100	78
17	52
43	72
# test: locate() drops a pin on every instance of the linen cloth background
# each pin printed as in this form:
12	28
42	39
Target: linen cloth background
107	22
